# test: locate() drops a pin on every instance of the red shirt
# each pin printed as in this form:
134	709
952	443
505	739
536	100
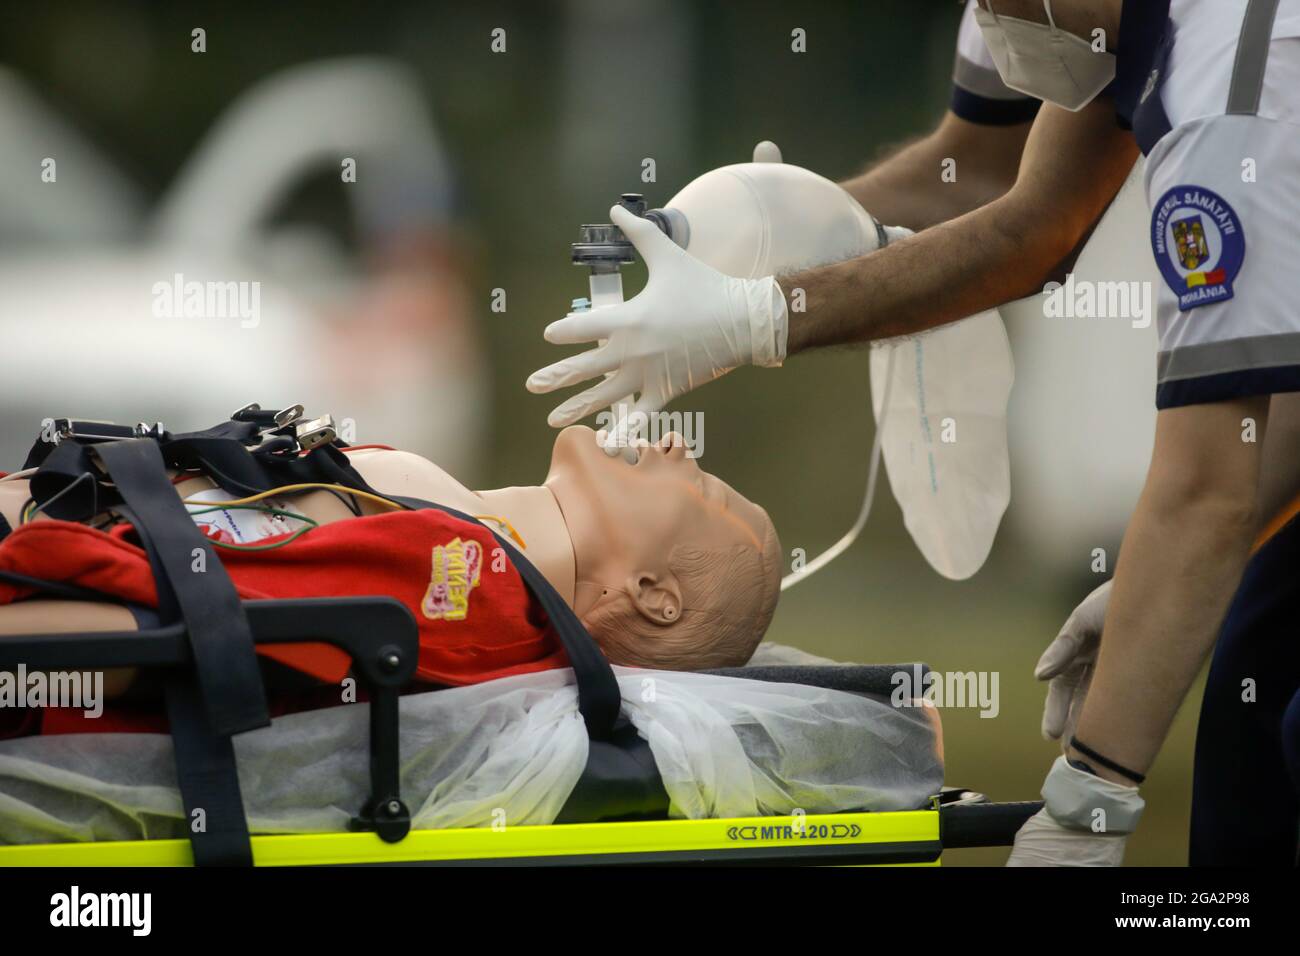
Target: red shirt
476	619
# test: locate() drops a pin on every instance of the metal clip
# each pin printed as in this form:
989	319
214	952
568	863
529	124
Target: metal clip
315	433
90	430
289	416
154	431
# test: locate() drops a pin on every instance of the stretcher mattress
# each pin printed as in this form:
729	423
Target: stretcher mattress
509	752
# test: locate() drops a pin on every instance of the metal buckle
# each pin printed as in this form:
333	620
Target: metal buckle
266	419
154	431
93	430
313	434
288	416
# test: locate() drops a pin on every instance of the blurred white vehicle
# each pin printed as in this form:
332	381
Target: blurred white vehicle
97	313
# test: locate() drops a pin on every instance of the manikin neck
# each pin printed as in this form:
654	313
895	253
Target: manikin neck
536	517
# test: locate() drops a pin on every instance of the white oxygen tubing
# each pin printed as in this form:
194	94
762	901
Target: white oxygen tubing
873	471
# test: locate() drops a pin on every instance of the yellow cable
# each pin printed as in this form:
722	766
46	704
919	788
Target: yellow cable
510	529
305	486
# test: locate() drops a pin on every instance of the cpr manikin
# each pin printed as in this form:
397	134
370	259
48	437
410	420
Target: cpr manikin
667	566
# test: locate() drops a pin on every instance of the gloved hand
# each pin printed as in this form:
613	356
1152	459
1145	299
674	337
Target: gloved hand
689	325
1044	842
1085	821
1068	662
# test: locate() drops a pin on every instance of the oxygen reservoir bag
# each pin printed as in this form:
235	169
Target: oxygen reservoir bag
942	421
939	398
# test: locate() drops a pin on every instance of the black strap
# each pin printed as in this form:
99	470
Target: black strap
223	455
599	699
58	589
4	527
221	452
222	642
208	779
58	486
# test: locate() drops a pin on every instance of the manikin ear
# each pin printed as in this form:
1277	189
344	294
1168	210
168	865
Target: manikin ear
656	598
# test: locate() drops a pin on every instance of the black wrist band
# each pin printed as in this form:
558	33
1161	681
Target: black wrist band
1106	761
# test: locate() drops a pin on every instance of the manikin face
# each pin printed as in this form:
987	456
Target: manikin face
625	518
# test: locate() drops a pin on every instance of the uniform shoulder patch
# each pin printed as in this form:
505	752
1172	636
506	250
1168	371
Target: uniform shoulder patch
457	566
1198	243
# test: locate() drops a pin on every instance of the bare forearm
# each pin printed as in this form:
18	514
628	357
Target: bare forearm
952	171
943	274
906	189
1073	164
1177	577
1182	559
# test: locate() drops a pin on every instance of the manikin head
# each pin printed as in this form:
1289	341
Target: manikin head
675	569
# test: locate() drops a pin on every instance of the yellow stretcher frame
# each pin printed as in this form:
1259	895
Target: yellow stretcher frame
895	837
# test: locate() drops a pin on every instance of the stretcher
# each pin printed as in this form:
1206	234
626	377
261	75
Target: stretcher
617	813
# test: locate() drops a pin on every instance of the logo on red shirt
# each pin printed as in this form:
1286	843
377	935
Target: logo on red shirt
456	568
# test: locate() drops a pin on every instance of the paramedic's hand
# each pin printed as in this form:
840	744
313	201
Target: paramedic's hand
1068	663
1085	821
1044	842
689	325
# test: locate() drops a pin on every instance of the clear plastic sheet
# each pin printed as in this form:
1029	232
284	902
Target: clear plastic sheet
509	750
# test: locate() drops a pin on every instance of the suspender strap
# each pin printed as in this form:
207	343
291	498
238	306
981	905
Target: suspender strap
208	779
1252	58
201	593
599	698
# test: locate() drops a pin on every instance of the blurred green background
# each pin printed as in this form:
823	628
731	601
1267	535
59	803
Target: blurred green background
544	137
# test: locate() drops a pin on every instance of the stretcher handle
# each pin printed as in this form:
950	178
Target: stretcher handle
964	825
359	626
378	633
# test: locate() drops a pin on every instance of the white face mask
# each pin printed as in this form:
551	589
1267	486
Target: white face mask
1041	61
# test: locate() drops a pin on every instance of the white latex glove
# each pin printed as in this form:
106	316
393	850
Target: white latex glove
1085	821
689	325
1044	842
1068	663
